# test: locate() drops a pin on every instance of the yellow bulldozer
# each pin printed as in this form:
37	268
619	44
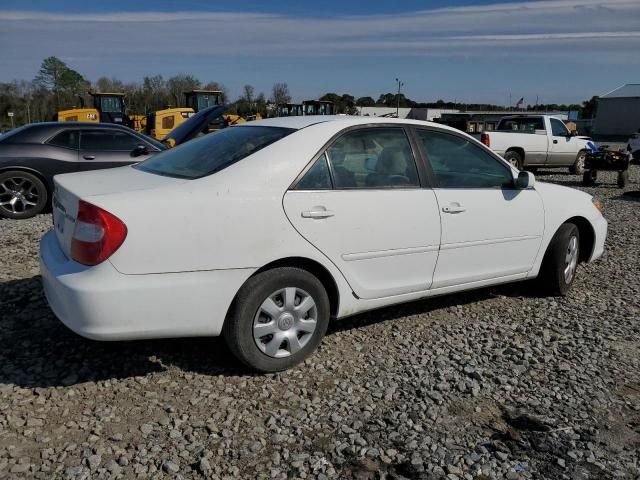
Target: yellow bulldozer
107	108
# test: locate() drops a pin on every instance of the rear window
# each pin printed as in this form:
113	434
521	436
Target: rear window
521	124
212	153
18	135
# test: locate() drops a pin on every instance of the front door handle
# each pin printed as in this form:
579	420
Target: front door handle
89	157
454	208
555	141
317	213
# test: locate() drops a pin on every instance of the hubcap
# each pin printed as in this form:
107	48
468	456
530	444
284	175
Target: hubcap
285	322
513	162
18	195
571	260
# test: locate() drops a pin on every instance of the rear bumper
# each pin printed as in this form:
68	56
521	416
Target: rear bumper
600	228
102	304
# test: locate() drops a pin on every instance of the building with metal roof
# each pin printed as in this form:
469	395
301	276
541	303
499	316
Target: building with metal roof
618	112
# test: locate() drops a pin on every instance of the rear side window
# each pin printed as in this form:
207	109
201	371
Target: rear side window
66	139
373	158
459	163
521	124
213	152
317	177
104	140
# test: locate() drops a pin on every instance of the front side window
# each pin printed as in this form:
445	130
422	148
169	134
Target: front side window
104	140
558	128
373	158
213	152
66	139
459	163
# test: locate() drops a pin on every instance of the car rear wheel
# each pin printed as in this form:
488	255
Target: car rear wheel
22	195
278	319
561	260
578	166
514	159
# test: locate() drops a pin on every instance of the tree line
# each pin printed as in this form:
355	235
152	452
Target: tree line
57	86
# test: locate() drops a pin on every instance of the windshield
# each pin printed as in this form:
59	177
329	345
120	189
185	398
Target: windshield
521	124
211	153
153	141
111	104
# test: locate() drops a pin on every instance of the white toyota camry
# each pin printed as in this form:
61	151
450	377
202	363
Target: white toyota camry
265	231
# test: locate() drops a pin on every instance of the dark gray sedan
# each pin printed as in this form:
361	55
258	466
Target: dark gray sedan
31	155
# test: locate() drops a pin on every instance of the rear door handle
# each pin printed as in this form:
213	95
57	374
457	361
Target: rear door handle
555	141
454	209
89	157
317	214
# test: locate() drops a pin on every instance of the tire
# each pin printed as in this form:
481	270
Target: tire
560	261
22	195
578	166
623	178
514	158
271	290
589	177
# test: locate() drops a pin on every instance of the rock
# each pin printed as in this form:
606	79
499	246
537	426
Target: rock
170	467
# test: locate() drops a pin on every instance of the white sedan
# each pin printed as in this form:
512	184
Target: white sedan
265	231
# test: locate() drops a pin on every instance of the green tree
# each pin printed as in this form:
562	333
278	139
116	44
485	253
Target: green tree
65	83
179	84
365	102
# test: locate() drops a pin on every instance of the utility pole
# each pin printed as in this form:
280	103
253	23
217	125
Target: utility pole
400	85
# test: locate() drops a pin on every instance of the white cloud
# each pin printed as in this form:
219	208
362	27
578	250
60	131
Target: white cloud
557	27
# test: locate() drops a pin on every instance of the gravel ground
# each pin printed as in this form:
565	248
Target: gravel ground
496	383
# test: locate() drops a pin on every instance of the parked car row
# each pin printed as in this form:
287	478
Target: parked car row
264	232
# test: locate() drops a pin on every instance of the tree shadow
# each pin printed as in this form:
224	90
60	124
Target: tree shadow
38	351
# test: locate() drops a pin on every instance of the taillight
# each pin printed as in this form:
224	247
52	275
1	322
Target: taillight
484	138
97	234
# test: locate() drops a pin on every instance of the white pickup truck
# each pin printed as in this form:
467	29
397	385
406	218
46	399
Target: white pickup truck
531	141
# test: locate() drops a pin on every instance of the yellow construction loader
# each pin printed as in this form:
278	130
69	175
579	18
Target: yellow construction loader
107	108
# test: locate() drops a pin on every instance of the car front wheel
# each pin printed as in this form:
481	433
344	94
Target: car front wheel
560	262
22	195
278	319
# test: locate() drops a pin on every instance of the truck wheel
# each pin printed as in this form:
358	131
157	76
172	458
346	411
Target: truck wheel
278	320
623	178
561	261
578	166
589	177
514	159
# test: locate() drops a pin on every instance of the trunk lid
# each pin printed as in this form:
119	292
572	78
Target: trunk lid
192	127
72	187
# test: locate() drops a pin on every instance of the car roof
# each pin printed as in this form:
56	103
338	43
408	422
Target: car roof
343	121
75	125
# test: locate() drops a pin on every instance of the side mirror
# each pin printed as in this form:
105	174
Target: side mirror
139	150
525	180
